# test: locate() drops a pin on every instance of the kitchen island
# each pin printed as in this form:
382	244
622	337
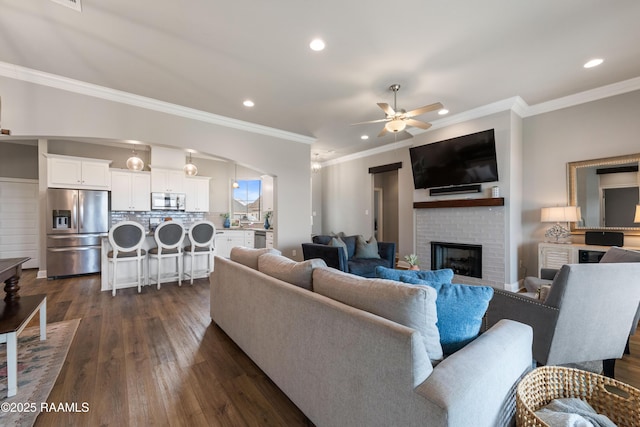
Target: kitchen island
127	271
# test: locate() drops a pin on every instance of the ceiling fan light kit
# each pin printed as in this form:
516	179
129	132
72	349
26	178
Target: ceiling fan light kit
398	119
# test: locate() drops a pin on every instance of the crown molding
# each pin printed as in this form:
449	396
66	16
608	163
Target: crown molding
515	104
29	75
583	97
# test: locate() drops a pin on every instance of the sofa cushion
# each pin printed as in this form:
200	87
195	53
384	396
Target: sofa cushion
337	242
249	256
366	249
444	275
288	270
460	311
411	306
366	267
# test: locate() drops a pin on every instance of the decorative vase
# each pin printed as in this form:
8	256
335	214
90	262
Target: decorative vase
266	224
414	267
226	223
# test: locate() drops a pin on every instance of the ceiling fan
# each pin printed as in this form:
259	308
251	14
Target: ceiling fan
397	120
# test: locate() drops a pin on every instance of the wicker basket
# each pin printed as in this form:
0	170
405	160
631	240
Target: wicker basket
617	400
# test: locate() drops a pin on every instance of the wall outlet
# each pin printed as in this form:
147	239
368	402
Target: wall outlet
294	252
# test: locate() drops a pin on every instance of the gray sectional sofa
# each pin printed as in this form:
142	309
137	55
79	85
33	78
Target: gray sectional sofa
345	366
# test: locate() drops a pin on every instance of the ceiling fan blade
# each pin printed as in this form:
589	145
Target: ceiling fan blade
422	110
417	124
386	108
370	121
383	131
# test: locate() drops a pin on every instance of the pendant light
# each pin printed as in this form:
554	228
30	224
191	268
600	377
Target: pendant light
134	162
190	169
235	179
315	165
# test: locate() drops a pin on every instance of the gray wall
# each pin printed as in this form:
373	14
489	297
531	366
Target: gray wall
604	128
532	159
19	160
347	187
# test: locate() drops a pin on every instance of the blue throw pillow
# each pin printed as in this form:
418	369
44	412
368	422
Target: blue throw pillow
337	242
437	276
460	311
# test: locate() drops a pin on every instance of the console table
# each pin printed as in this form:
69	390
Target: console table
555	255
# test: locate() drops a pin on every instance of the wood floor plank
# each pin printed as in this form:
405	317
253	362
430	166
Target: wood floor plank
156	359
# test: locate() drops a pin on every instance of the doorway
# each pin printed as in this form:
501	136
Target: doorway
386	206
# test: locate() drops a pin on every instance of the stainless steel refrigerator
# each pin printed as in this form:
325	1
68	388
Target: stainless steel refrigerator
76	222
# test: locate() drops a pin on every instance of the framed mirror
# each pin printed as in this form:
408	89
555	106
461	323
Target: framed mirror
607	191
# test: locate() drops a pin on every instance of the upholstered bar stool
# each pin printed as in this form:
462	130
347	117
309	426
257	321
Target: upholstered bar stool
168	236
126	239
202	235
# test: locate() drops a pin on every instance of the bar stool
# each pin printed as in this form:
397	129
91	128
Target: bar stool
126	239
202	235
168	236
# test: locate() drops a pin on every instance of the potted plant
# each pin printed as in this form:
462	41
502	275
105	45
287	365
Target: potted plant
267	217
412	260
226	223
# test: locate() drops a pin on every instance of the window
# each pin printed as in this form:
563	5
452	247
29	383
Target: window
247	200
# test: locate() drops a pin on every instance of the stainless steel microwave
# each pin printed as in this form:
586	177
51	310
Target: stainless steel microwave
167	201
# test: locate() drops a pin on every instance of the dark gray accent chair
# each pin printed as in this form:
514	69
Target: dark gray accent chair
586	316
335	257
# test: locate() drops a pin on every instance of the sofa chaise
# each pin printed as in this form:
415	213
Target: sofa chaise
345	366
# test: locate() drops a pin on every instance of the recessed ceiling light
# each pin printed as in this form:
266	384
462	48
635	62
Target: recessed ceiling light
248	103
443	111
364	137
593	63
317	45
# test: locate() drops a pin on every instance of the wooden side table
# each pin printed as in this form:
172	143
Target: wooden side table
14	317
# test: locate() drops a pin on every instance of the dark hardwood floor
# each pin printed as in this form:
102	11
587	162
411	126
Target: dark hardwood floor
155	358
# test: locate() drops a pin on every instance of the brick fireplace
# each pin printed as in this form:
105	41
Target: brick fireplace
483	226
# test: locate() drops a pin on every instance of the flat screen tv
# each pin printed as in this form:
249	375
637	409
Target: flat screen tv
468	159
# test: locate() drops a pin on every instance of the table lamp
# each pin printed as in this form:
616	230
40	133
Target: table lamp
559	214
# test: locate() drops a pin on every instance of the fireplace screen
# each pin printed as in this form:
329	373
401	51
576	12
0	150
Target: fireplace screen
463	259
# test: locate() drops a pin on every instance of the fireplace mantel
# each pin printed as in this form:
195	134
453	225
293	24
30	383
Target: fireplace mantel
459	203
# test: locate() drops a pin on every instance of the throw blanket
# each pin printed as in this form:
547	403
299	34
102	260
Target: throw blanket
572	412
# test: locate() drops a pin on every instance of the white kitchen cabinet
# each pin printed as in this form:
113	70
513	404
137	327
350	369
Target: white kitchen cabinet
269	240
197	194
130	191
167	181
78	172
267	193
227	239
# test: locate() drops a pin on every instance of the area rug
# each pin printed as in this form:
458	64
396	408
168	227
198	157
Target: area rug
39	363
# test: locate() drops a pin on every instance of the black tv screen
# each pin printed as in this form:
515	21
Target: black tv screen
468	159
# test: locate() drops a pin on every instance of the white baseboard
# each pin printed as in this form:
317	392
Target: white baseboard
513	287
42	274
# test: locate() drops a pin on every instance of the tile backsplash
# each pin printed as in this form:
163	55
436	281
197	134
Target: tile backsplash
154	217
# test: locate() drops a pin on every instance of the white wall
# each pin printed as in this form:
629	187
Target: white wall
30	109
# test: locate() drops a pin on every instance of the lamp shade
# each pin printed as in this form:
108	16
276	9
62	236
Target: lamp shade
395	125
559	214
637	217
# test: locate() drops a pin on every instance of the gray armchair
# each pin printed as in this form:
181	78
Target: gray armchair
586	317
